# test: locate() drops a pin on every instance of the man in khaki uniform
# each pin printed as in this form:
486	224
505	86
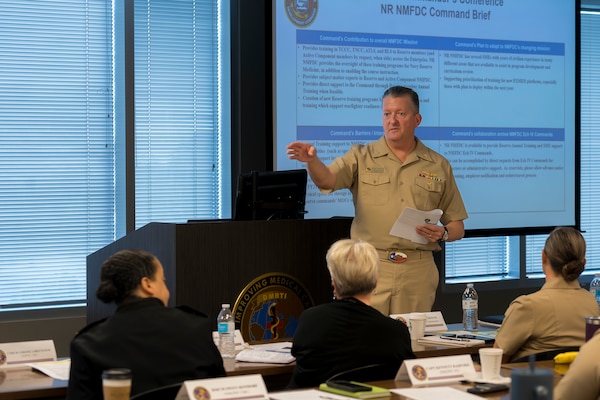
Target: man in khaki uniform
384	177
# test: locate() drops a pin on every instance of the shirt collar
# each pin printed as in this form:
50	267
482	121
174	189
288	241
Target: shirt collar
381	149
560	283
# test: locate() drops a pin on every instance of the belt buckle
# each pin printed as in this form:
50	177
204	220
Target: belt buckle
397	256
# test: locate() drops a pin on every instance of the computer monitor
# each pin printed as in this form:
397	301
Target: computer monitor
271	195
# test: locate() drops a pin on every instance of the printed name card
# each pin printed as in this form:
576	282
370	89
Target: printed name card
231	388
20	353
436	370
434	323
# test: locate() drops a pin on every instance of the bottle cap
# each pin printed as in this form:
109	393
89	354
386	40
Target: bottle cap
469	285
225	305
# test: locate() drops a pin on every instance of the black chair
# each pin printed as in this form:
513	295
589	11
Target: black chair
168	392
368	373
546	355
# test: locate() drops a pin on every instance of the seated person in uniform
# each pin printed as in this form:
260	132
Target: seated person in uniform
160	345
582	380
348	333
553	317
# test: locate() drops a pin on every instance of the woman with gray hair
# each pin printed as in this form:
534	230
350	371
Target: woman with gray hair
348	334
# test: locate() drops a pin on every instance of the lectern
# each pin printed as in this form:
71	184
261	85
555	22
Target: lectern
208	263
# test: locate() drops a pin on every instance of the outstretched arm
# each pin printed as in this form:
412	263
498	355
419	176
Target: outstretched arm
320	174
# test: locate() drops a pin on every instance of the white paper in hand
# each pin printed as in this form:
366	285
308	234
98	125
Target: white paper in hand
406	224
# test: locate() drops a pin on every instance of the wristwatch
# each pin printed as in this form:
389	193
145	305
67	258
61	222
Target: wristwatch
445	235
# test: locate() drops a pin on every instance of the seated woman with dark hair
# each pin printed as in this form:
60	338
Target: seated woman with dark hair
552	318
348	333
160	345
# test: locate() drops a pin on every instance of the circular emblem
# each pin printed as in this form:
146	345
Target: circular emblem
301	13
268	308
201	393
419	372
2	357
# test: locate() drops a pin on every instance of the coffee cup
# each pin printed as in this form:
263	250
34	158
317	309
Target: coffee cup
116	384
491	361
416	325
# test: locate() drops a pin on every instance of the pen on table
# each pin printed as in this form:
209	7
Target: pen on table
455	339
327	398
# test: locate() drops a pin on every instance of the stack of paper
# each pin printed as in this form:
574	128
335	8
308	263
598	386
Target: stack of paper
450	341
272	353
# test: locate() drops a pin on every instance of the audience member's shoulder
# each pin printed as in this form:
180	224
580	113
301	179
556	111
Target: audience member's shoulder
91	327
191	311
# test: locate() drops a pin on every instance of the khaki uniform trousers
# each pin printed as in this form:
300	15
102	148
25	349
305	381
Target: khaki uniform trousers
406	287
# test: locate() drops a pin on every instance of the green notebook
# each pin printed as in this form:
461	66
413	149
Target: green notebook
372	392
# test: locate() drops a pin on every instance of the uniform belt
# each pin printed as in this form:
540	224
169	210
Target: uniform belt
400	256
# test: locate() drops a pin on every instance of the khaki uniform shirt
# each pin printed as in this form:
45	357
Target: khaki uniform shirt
582	380
382	186
551	318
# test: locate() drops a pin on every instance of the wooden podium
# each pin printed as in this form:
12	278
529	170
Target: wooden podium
208	263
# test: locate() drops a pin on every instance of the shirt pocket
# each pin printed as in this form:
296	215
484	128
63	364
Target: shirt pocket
427	193
374	188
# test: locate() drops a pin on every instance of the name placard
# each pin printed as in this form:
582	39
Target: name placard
436	370
434	323
20	353
236	387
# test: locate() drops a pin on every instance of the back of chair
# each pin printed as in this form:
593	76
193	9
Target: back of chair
368	373
162	393
546	355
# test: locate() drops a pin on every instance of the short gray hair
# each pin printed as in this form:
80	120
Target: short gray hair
354	266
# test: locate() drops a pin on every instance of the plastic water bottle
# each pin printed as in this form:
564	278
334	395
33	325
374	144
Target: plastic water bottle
595	287
226	329
470	307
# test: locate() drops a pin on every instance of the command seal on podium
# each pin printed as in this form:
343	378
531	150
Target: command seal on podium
268	308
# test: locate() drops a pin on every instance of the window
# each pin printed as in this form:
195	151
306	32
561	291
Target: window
56	148
590	136
179	171
61	148
498	258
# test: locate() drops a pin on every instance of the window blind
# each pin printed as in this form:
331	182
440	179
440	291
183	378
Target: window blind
460	256
56	148
177	105
590	136
477	257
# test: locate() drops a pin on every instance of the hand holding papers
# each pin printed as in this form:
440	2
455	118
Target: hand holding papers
406	224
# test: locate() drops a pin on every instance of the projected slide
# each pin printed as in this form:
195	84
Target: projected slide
496	79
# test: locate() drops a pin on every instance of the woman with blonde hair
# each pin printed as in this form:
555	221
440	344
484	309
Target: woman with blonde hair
348	334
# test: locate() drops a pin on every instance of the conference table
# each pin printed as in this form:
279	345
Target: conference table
19	384
504	395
